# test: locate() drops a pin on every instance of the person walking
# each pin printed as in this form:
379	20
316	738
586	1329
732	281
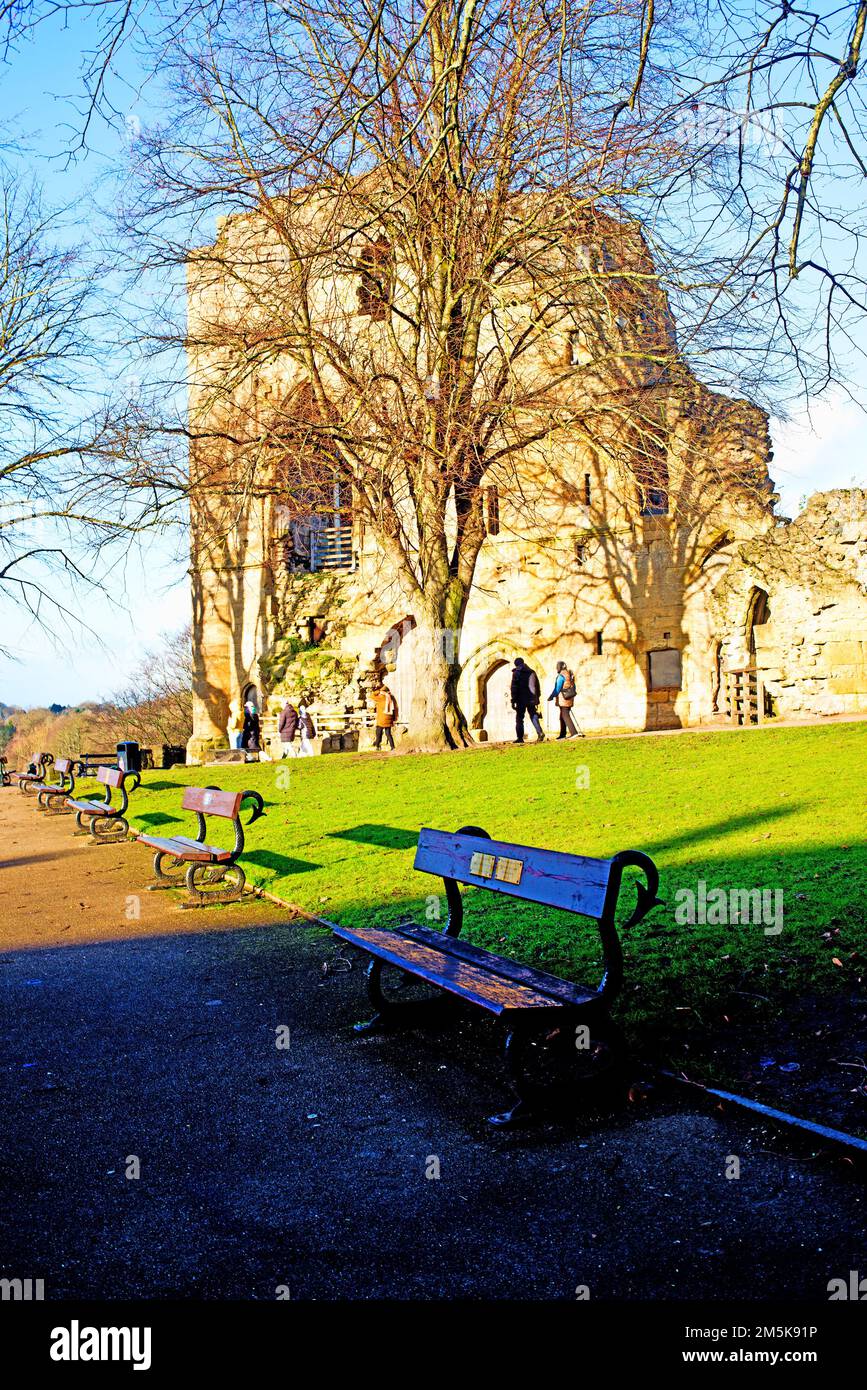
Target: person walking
235	731
287	724
526	693
307	730
563	694
251	733
386	713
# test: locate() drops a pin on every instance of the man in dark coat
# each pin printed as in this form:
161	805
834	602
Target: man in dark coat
526	693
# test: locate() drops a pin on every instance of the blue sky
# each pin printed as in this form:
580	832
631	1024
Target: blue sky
38	104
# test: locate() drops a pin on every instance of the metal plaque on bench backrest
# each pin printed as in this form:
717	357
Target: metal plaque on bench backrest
509	870
483	865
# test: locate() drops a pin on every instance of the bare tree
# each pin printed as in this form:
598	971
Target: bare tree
437	248
156	705
71	486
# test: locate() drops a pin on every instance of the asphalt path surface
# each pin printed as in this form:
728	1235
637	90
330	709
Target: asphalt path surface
211	1053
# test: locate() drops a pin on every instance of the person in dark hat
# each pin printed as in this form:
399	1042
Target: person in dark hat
526	693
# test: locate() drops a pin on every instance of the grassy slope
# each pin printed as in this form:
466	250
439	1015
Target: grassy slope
775	808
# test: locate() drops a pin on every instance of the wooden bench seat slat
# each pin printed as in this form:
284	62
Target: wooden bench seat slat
567	881
182	847
564	991
100	808
461	977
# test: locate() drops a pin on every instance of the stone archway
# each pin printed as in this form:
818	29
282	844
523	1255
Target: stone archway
758	614
395	659
495	705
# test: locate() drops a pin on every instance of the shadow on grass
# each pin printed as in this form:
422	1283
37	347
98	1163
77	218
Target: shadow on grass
154	818
280	863
150	786
695	835
385	836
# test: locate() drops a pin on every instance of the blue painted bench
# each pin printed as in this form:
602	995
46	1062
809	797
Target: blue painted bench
560	1039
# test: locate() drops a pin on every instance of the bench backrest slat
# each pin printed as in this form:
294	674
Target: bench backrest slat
568	881
212	803
62	764
110	776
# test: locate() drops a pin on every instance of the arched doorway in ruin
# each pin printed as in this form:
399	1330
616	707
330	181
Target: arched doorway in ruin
398	655
758	613
251	696
495	701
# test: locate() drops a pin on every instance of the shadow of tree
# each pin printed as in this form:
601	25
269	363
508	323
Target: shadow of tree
279	863
385	836
154	818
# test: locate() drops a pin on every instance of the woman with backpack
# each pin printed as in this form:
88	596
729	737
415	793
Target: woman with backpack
564	693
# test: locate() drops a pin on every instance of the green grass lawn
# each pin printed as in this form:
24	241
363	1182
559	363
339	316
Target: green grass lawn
780	809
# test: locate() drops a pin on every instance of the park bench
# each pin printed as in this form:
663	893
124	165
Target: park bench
106	822
560	1039
52	796
205	868
28	781
90	763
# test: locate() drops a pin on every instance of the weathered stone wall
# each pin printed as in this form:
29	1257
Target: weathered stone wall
811	654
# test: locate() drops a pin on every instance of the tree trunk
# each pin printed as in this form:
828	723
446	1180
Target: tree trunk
435	719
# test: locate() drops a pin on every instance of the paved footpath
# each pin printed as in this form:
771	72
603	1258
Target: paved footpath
151	1038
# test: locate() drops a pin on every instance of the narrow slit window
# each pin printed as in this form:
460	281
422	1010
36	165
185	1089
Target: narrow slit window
578	352
375	270
599	644
492	511
587	490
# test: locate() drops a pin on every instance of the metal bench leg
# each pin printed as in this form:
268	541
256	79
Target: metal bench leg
108	830
169	871
205	884
558	1065
394	1013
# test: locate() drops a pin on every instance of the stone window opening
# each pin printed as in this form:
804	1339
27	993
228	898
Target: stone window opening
653	501
578	354
315	532
491	508
375	279
588	494
599	644
580	553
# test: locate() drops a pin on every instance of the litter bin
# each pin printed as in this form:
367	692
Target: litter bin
129	757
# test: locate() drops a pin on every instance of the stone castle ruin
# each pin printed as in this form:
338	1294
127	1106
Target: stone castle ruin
654	581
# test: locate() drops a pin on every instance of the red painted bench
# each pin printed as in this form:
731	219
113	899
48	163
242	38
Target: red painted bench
560	1039
106	820
52	796
27	781
205	868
